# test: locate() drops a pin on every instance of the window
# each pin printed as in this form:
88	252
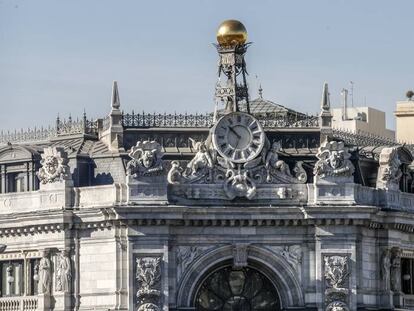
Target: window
407	279
12	278
16	182
245	290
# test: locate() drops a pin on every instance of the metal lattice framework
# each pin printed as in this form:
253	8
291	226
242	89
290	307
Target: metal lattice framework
145	120
362	138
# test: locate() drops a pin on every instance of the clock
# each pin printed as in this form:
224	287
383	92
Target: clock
238	137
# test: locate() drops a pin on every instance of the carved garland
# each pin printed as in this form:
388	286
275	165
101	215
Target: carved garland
148	276
336	275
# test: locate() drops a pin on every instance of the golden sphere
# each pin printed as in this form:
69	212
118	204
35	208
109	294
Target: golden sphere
231	33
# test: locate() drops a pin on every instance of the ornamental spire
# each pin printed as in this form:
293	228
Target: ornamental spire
325	103
325	116
115	103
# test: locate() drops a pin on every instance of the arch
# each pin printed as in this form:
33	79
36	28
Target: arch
272	265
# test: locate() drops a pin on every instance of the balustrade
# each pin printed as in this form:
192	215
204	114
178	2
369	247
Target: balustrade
24	303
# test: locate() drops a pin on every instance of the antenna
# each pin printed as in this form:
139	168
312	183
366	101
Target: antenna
344	94
352	93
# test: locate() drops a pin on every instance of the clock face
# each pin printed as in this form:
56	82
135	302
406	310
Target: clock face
238	137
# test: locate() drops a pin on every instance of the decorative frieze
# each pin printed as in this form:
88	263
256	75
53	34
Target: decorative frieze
148	283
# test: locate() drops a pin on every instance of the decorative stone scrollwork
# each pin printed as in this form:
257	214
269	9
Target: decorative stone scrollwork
389	172
54	166
148	275
291	253
146	159
186	255
333	162
236	179
337	306
63	272
336	273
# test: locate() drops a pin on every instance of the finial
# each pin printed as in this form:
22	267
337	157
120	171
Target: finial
260	91
409	94
325	102
115	103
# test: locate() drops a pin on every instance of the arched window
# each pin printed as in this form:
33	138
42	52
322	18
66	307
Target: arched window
229	289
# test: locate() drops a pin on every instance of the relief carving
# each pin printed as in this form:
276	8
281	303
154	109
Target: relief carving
292	254
385	269
63	272
336	275
396	270
186	255
333	162
240	254
148	275
337	306
54	166
45	273
236	179
145	159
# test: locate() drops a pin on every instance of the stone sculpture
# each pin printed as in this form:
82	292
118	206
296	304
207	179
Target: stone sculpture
385	268
333	162
45	271
337	306
145	159
389	172
236	179
396	270
63	272
54	166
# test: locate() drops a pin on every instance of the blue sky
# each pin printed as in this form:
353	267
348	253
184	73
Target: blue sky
62	56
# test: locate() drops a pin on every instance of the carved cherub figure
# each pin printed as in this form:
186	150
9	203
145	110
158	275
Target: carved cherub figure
333	160
272	161
201	160
145	159
54	165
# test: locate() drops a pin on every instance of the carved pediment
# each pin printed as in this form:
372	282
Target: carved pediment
12	153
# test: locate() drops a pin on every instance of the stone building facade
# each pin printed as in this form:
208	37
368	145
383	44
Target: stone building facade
242	209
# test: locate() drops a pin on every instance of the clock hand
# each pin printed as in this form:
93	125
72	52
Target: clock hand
235	133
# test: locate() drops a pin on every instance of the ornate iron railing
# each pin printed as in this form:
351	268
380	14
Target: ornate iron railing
62	128
145	120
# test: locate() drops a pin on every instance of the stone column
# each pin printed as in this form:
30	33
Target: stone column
3	179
